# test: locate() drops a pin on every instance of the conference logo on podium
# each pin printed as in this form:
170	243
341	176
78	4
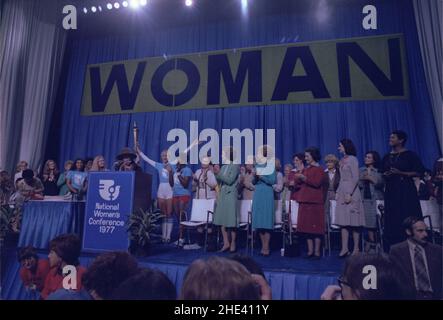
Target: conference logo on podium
108	190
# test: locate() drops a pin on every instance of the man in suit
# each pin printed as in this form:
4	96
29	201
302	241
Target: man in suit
419	261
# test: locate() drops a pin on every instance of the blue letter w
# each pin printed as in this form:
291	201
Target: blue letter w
127	96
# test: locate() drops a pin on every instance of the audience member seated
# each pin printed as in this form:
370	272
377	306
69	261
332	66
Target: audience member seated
33	270
21	166
147	284
99	164
219	279
76	180
49	178
29	188
63	250
61	182
88	164
419	261
6	187
389	283
103	276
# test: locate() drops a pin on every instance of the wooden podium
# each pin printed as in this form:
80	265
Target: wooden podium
142	191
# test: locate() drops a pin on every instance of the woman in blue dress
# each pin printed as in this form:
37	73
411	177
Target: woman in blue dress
263	201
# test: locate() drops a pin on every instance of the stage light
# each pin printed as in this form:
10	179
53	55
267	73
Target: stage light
143	2
109	6
244	4
100	8
188	3
116	5
94	9
125	4
85	10
134	4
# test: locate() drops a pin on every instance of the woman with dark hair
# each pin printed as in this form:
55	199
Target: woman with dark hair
76	180
371	186
63	250
29	187
349	208
368	277
399	167
181	183
49	178
104	275
33	270
298	160
311	197
226	210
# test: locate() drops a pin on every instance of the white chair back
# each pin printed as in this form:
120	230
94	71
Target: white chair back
430	208
200	208
294	213
278	205
333	215
377	203
244	207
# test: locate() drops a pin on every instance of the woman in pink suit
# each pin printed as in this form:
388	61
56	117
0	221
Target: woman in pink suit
311	197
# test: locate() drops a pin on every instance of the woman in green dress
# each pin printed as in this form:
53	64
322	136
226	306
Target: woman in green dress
263	201
226	210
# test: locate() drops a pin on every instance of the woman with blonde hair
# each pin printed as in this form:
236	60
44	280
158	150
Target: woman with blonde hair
21	166
164	192
49	178
99	164
61	182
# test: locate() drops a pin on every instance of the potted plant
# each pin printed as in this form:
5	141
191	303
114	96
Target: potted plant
141	226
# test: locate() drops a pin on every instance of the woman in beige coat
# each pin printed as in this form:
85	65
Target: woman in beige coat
349	210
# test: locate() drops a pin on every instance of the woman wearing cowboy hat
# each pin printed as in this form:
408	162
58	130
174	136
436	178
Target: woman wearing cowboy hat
126	161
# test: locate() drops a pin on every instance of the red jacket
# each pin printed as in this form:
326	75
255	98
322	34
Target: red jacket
54	281
312	190
37	278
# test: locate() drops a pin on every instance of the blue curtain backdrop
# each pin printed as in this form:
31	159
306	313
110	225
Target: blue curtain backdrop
367	123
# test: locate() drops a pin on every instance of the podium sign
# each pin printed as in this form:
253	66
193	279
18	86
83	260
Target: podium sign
108	206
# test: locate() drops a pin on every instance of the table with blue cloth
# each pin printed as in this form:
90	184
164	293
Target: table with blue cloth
44	220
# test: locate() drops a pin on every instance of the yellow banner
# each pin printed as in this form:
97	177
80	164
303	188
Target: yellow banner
368	68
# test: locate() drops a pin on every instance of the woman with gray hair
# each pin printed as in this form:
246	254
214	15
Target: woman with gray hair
333	173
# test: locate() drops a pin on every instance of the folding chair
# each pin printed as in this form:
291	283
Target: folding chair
278	219
431	216
380	205
294	214
201	215
283	221
245	221
331	224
